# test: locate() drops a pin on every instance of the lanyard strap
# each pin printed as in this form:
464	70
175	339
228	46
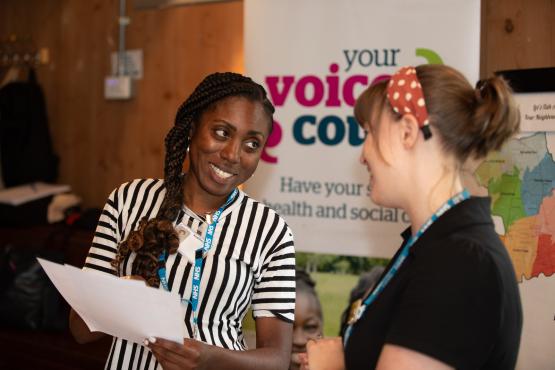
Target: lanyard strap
199	254
208	238
396	265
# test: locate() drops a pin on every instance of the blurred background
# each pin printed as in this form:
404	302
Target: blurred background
97	143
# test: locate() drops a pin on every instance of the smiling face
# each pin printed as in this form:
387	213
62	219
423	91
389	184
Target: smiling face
373	159
307	325
379	159
372	112
226	145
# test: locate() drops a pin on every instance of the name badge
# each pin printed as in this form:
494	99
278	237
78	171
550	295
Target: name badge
189	242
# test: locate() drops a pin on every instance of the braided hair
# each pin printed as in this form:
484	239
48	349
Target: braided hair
156	236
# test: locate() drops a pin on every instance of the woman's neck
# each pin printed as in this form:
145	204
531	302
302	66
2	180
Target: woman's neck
199	200
421	208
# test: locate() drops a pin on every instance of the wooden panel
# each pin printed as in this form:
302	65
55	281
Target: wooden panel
103	143
552	24
518	34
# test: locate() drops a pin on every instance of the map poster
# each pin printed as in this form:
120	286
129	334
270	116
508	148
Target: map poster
520	179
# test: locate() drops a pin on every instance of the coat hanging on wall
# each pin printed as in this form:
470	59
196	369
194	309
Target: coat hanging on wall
26	152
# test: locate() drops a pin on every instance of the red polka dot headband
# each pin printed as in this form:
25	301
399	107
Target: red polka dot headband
405	95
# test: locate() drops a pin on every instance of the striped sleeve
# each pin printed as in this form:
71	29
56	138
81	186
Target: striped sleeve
125	206
274	291
106	238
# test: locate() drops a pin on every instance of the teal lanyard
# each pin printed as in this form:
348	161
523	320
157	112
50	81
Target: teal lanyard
199	255
401	258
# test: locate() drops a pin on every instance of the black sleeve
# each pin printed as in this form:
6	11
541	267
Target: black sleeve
451	309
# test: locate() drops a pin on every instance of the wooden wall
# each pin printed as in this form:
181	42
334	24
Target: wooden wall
103	143
517	34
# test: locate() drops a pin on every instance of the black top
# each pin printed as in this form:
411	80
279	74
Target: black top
455	298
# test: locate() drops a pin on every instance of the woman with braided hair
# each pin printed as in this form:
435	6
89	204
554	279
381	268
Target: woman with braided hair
241	251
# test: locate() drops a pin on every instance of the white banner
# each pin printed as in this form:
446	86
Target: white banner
315	57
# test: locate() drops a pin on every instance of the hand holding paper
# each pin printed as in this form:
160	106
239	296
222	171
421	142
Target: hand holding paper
120	307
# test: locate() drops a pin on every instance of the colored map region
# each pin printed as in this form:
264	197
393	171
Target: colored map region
520	180
538	184
521	242
506	197
544	262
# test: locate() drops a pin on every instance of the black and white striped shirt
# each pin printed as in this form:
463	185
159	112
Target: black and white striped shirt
251	264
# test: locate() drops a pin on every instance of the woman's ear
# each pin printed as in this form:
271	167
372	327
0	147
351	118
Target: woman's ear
409	130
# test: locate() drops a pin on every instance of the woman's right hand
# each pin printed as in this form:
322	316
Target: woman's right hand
325	354
189	355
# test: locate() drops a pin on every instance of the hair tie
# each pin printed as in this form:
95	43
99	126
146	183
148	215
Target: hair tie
481	84
405	95
481	89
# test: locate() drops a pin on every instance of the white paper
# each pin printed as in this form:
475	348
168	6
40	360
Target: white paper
127	309
537	111
25	193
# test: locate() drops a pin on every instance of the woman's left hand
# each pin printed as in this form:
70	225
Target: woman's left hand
325	354
172	355
273	338
303	359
